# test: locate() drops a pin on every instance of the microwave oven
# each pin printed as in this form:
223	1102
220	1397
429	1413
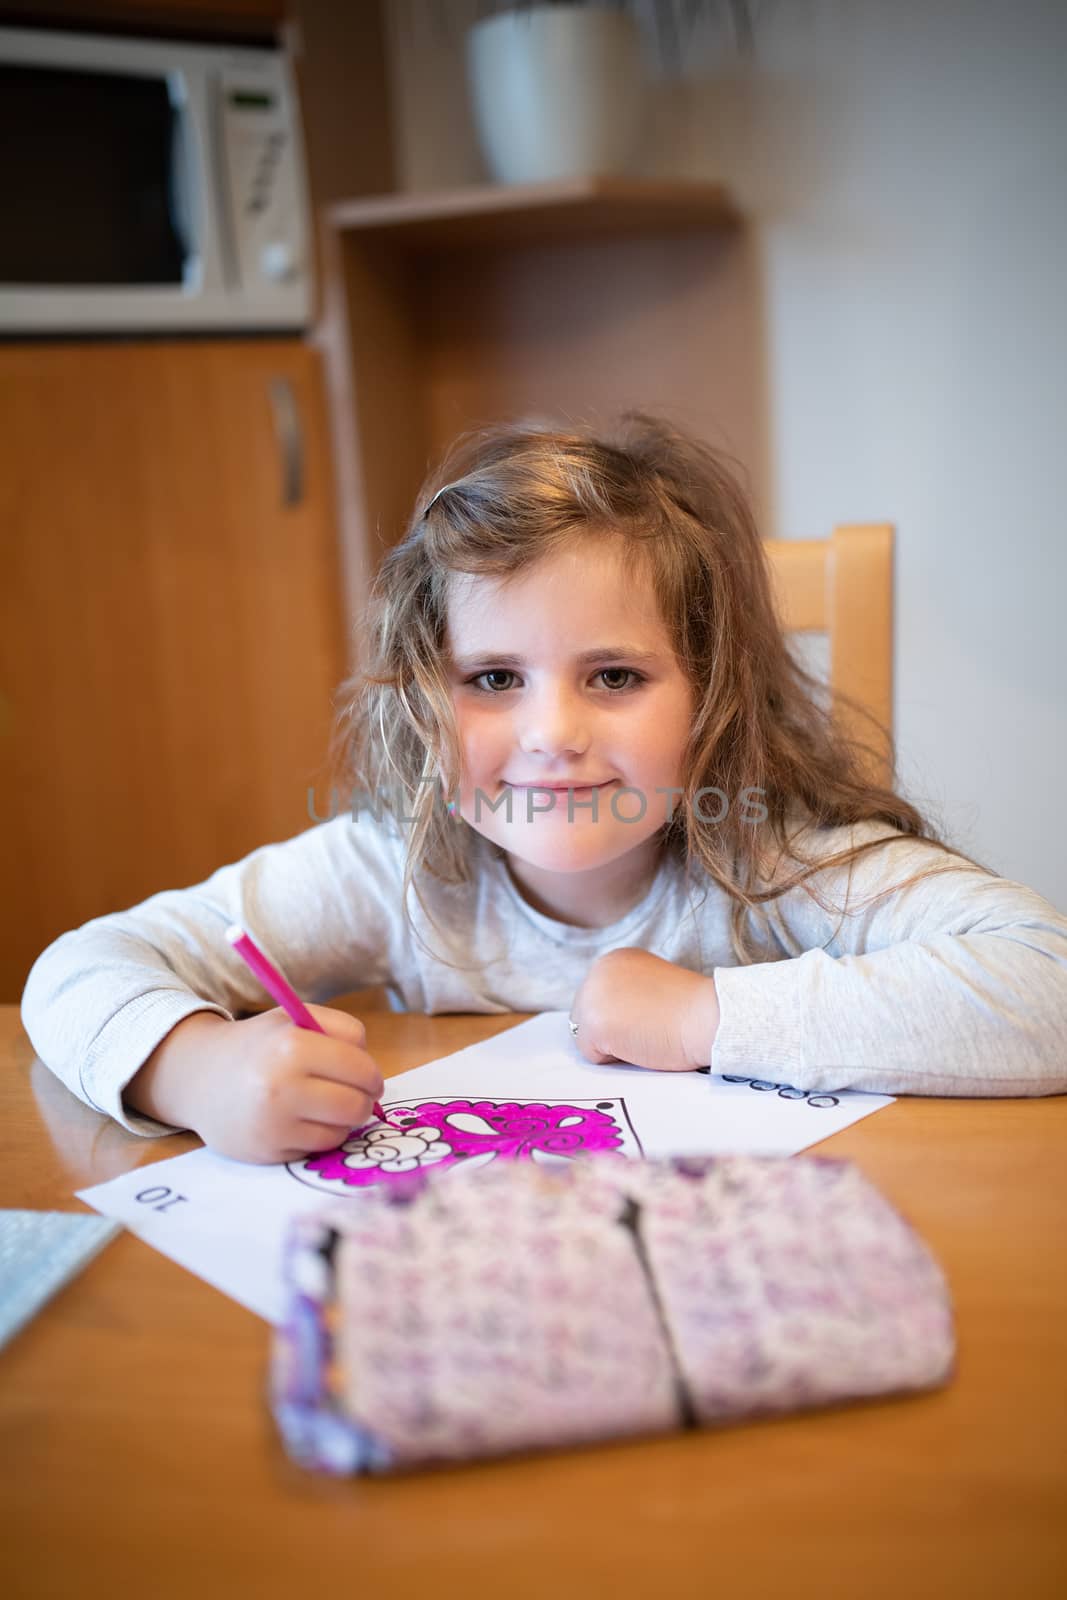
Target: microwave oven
149	185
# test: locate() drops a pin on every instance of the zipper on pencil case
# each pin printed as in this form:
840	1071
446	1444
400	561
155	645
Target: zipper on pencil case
630	1219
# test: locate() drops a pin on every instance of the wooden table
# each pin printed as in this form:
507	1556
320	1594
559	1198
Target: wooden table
138	1454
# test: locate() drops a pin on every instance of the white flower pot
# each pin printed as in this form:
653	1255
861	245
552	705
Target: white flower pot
558	91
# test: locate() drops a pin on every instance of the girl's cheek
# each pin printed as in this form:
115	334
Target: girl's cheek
466	731
480	742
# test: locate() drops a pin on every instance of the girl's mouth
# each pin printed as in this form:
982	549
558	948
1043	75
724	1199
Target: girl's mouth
560	788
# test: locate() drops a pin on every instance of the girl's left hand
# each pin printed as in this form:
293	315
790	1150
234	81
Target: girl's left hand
634	1006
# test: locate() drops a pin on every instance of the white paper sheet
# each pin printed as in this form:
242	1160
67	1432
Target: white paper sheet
226	1221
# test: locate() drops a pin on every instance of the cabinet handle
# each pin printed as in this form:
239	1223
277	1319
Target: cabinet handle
290	437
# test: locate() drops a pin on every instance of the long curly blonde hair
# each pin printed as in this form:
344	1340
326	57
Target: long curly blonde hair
507	496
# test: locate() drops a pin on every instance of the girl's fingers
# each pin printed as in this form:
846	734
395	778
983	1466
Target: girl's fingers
339	1025
343	1064
318	1136
586	1047
334	1105
367	1081
312	1136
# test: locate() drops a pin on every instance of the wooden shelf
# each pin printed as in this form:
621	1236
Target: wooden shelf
447	311
512	213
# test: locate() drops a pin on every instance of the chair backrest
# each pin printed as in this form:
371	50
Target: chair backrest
843	587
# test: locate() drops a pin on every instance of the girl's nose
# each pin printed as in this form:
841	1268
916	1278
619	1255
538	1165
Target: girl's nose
554	723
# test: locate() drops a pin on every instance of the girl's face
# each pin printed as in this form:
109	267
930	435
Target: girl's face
566	693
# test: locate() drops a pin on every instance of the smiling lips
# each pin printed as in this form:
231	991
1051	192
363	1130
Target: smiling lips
559	788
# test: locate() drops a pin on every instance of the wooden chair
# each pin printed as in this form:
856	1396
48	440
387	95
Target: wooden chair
843	587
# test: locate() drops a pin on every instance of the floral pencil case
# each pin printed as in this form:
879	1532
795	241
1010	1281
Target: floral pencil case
523	1307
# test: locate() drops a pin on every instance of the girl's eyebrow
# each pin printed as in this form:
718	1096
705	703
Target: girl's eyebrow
613	652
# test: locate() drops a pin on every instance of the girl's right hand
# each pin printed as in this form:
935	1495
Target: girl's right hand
261	1090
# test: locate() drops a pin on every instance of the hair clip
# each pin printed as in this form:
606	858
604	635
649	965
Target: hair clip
442	490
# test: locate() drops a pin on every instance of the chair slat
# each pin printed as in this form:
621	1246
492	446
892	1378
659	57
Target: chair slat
843	586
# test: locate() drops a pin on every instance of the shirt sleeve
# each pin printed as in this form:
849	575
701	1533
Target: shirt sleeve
952	984
323	906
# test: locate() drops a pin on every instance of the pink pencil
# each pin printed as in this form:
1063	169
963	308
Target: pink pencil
277	987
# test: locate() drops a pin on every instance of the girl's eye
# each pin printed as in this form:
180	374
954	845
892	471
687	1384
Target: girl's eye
484	680
627	674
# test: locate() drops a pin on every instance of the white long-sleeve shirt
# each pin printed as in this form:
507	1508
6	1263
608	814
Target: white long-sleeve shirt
954	985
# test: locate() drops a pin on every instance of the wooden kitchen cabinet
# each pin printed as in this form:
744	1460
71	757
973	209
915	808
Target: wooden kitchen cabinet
171	627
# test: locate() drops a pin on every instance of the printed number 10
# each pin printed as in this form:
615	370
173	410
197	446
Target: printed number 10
160	1198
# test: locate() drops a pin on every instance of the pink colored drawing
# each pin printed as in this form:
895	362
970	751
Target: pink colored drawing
448	1133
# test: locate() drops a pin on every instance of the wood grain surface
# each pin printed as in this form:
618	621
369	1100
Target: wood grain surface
139	1456
171	630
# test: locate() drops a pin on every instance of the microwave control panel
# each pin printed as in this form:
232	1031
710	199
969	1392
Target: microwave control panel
262	176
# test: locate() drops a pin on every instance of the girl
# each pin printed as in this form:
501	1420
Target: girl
585	774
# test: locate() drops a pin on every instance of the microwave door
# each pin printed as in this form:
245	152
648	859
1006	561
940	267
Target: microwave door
97	188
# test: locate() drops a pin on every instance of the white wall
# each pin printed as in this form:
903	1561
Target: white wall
904	163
